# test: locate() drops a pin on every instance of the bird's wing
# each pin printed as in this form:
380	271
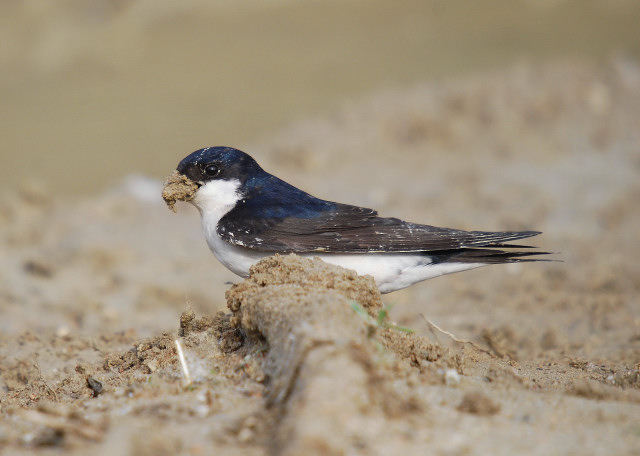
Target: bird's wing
351	229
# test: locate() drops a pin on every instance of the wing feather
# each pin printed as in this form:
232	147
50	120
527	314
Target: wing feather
344	228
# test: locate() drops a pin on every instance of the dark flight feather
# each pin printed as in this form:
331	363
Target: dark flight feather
343	228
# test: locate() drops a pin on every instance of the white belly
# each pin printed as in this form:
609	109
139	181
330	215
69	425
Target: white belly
395	271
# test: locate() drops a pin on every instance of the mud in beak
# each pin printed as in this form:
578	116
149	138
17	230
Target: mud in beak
178	187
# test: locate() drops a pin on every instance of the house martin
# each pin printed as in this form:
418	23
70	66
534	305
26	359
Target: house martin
248	214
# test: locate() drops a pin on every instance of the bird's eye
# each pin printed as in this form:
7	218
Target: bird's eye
211	170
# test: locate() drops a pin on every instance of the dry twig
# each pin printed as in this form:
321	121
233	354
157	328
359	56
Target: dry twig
433	326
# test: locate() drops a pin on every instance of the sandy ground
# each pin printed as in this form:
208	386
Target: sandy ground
95	292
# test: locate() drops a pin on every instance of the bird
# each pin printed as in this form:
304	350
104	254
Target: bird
248	214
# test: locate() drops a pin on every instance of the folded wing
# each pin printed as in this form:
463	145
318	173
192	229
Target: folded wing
344	228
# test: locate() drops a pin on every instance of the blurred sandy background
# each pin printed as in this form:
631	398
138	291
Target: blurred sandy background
93	90
494	115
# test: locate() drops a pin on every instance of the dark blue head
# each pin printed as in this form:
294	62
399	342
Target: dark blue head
218	162
263	195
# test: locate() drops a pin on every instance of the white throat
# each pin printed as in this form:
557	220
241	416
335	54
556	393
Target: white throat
217	197
213	200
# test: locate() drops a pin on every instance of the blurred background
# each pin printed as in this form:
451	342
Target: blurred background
478	115
93	90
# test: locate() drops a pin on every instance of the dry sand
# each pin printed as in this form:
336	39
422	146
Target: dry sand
92	292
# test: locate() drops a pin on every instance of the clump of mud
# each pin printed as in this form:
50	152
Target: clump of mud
323	366
178	187
306	274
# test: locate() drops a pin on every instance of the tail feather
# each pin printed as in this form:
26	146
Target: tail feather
488	256
510	246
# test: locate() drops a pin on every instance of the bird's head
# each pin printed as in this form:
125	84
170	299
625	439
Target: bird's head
218	164
213	179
